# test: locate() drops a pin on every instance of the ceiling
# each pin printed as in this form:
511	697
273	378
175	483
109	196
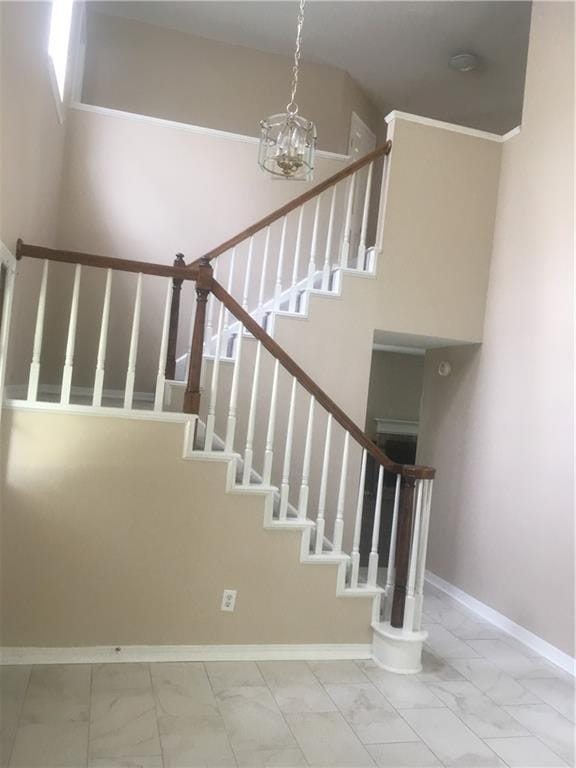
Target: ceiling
397	51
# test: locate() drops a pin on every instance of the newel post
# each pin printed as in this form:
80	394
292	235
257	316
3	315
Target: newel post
170	370
402	557
203	287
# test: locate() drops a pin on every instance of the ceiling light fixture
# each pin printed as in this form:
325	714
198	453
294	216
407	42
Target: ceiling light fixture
464	62
287	140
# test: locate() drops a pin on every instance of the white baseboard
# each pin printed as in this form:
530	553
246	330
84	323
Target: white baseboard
159	653
523	635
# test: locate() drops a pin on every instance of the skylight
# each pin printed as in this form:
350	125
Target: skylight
60	23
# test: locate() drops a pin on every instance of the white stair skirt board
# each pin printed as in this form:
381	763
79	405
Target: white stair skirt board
523	635
183	653
397	650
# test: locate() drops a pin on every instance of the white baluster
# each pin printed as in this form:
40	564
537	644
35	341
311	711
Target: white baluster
355	560
209	331
345	252
5	321
34	376
263	276
414	551
364	225
247	275
161	377
320	520
305	483
71	340
102	342
421	572
297	249
249	450
211	417
285	485
329	235
278	286
373	559
314	244
229	316
390	575
269	450
232	407
133	351
339	522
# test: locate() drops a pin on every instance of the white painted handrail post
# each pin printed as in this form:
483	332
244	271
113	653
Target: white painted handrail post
427	502
161	376
373	558
269	450
296	265
305	483
364	225
355	559
232	407
409	605
389	588
133	351
329	236
229	316
5	320
211	416
247	275
314	244
102	342
345	252
34	375
263	274
285	485
249	449
278	286
208	334
339	522
320	520
71	340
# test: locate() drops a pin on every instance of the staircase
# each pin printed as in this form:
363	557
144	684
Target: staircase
248	405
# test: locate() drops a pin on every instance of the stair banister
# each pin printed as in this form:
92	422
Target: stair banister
296	202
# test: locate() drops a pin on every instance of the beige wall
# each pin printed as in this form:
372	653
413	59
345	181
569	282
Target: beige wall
150	70
395	388
499	429
143	560
31	133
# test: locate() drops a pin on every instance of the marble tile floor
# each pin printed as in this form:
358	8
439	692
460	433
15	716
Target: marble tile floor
482	699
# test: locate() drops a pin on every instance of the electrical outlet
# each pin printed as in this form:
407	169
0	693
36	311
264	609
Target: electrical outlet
228	600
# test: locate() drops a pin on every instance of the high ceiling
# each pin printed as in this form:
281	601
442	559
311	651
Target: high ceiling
397	51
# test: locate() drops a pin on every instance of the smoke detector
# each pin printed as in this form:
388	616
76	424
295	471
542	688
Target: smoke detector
464	62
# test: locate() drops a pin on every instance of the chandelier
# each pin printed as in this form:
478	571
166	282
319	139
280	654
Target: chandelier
287	140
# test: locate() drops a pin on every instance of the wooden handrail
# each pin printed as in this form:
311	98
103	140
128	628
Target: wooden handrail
104	262
296	203
302	377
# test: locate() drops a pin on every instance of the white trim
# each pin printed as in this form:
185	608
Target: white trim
523	635
396	426
7	257
58	103
397	115
182	653
198	129
90	410
18	391
399	350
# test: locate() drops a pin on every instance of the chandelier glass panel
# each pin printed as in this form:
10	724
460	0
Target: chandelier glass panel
288	140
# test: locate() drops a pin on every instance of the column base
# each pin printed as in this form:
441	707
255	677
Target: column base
397	650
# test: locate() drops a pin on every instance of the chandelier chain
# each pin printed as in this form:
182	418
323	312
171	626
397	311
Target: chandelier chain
292	107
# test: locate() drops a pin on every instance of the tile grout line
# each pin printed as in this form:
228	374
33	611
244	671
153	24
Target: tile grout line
89	715
19	717
232	750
